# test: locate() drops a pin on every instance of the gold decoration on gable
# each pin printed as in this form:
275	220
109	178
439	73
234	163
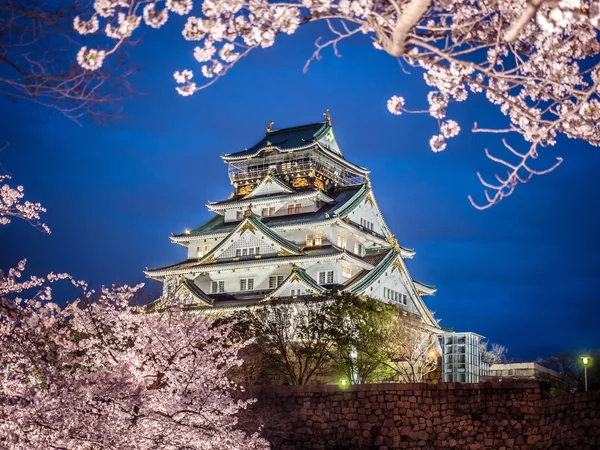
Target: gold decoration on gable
300	182
295	278
284	252
247	227
393	242
398	266
319	184
244	190
210	260
370	199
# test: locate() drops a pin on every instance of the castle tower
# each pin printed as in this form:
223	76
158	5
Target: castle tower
302	221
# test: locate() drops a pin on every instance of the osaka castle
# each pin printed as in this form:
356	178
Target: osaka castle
302	222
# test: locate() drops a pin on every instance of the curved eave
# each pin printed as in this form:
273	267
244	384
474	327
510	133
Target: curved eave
214	207
424	289
196	292
185	268
228	158
407	252
361	170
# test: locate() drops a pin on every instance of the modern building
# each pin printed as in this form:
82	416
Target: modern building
302	221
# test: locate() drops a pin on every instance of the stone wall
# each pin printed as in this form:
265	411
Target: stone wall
498	416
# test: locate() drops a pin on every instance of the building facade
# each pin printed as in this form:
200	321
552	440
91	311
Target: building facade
302	221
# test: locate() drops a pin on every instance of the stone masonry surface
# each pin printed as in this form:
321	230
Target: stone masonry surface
498	416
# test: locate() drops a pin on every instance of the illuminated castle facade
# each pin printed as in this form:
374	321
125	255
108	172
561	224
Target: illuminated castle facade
303	221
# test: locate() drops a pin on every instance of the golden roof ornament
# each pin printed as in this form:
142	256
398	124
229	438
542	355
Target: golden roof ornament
294	268
327	117
248	211
368	181
393	242
270	126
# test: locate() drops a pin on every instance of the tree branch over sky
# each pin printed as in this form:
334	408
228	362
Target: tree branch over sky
37	49
538	62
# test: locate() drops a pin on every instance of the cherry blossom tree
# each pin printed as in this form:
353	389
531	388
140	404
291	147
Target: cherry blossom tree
536	60
100	373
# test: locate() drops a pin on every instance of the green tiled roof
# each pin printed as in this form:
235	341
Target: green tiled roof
194	263
309	280
217	224
286	138
257	222
364	282
352	203
264	197
196	291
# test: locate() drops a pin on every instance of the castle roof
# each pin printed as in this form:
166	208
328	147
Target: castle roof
218	225
290	138
319	135
194	265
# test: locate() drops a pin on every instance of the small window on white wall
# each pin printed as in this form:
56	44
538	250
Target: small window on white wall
318	239
275	281
342	242
310	240
326	277
346	272
217	287
246	284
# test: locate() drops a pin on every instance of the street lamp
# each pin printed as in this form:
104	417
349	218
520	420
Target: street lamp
586	360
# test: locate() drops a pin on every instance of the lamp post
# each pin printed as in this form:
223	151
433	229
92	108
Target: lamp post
586	360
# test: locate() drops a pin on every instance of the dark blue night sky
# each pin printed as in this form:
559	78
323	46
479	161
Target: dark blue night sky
524	273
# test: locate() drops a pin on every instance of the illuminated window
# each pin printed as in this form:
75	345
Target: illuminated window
318	239
342	242
239	215
291	209
203	250
358	249
298	208
346	272
309	240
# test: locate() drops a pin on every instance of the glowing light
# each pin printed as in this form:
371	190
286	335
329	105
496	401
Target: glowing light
187	231
344	382
586	360
432	354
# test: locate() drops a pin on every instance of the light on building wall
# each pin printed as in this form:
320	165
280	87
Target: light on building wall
432	354
187	231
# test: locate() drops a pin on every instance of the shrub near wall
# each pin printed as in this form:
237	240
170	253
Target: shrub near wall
449	415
